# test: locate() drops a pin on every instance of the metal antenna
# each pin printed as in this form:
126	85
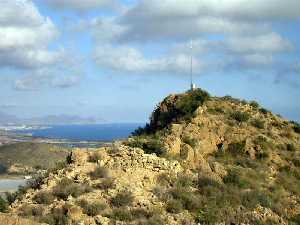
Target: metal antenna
192	84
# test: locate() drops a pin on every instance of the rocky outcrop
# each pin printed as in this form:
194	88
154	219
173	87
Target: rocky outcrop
213	128
130	170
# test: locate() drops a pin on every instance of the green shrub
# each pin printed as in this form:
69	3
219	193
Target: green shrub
10	197
237	148
264	111
67	187
44	197
233	177
183	109
174	206
154	146
296	219
124	198
121	214
251	199
142	130
99	172
3	205
188	199
166	179
254	104
92	209
290	147
216	110
258	124
184	181
106	184
190	141
264	143
205	181
240	116
29	210
149	144
296	162
58	216
262	154
95	157
296	127
36	182
191	101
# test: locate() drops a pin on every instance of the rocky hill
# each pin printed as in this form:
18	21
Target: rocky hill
200	160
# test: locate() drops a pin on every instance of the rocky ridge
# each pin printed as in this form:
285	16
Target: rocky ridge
201	160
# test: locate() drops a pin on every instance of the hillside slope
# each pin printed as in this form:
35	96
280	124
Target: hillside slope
200	160
26	157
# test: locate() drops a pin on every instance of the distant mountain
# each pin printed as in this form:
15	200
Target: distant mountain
61	119
6	119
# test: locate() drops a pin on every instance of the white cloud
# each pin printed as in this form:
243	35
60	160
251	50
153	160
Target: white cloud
257	60
129	59
181	19
102	29
30	58
44	78
25	35
19	13
237	9
13	37
82	5
267	43
150	29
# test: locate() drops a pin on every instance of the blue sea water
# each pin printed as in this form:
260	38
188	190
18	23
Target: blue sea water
98	132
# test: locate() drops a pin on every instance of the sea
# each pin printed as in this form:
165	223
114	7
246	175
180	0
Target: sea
94	132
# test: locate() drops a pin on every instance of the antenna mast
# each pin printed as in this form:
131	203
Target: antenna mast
192	84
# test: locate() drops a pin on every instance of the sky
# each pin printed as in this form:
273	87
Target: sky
116	60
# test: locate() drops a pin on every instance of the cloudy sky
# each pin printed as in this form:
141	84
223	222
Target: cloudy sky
116	60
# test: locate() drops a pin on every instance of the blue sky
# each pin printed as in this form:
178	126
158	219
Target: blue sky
115	60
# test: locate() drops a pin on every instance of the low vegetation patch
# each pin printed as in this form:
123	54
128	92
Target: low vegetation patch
190	141
174	206
44	197
99	172
290	147
67	187
150	144
237	148
57	216
121	214
296	127
3	205
92	209
124	198
254	104
258	123
30	210
240	116
106	184
264	111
